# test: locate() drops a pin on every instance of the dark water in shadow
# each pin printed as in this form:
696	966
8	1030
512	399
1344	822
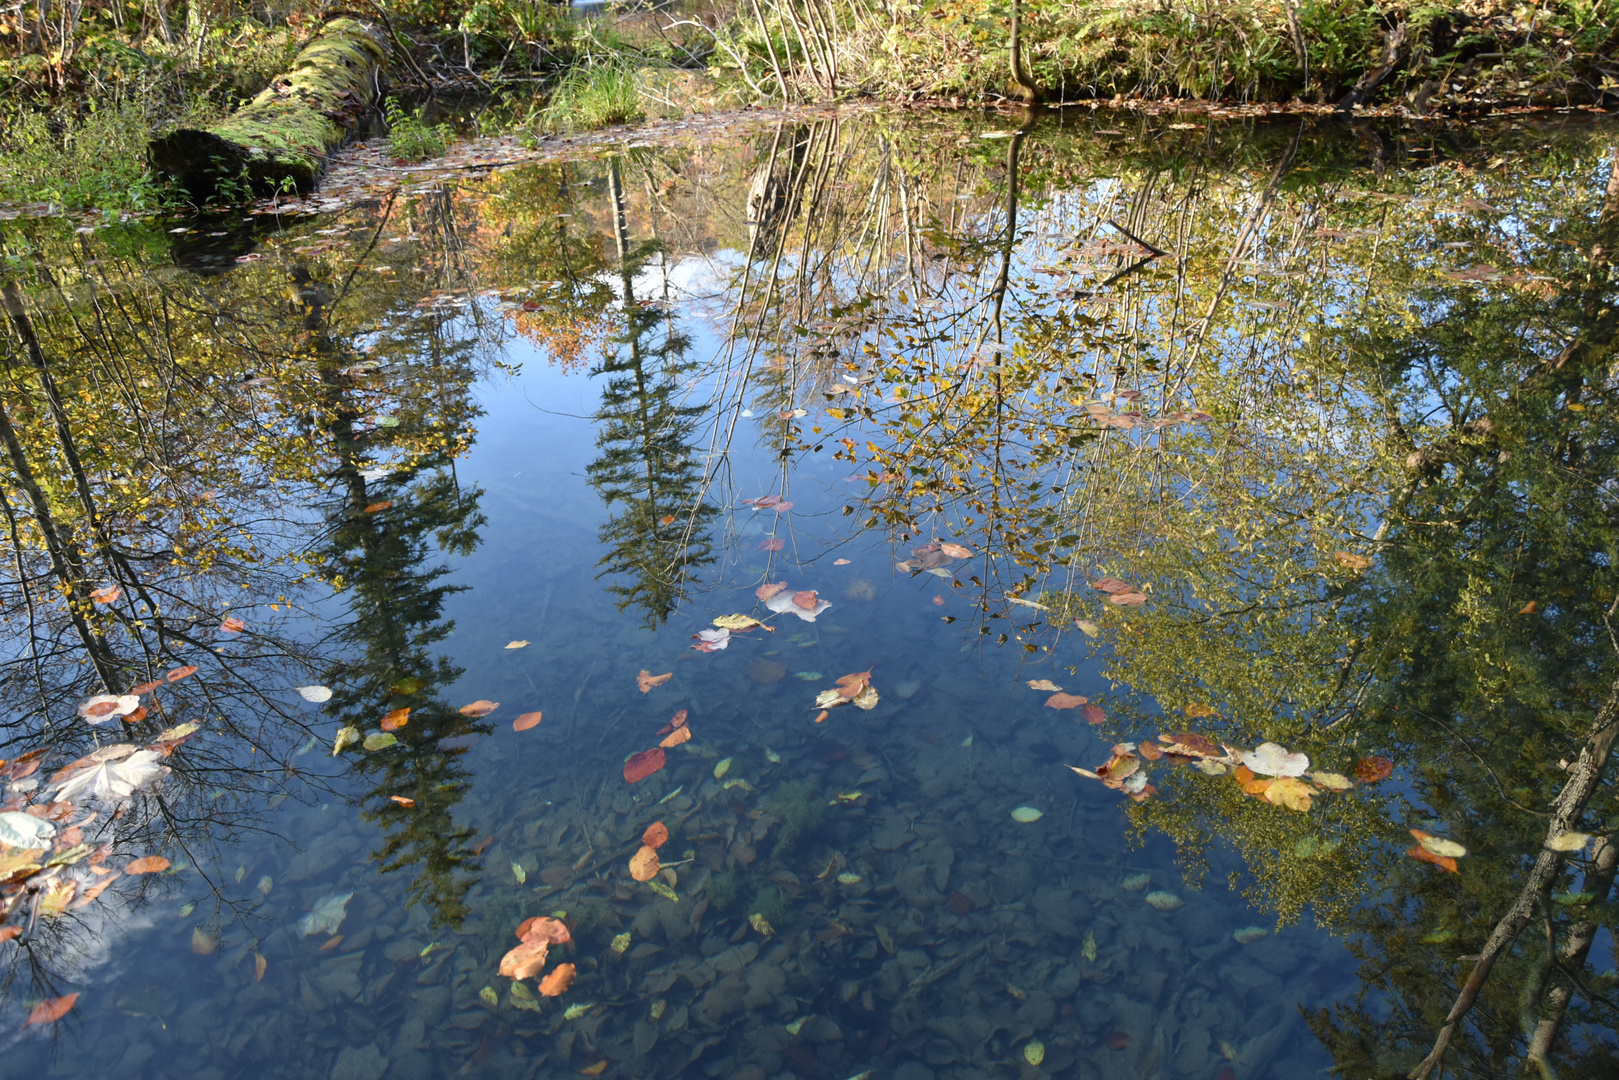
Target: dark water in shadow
1328	404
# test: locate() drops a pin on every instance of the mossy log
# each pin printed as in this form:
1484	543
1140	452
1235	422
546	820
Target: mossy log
281	139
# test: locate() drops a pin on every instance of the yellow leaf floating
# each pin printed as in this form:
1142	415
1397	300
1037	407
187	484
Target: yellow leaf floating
1438	845
1290	792
345	737
1332	781
737	622
1566	841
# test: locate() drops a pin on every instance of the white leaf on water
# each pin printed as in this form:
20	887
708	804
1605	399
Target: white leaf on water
326	915
115	780
25	830
315	694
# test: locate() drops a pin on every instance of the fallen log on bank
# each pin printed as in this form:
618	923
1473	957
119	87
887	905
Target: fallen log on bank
279	141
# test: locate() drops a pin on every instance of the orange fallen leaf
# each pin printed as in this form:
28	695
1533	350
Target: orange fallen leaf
765	592
824	714
667	519
1444	862
145	687
1369	770
88	895
9	932
1350	561
678	720
148	864
656	835
333	942
1149	751
1243	774
1527	609
679	735
378	507
189	669
232	625
1065	701
642	765
644	864
1257	786
403	801
107	594
479	708
395	720
806	599
527	720
51	1010
526	959
646	680
556	984
137	716
852	686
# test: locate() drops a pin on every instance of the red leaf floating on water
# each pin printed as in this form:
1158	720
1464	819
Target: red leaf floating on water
189	669
773	544
1444	862
1369	770
51	1010
806	600
107	594
145	687
147	864
479	708
526	721
1112	585
1093	714
642	765
1061	700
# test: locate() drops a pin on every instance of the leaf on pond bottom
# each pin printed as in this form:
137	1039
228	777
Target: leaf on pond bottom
479	708
51	1010
1065	701
644	865
642	765
556	984
527	720
646	680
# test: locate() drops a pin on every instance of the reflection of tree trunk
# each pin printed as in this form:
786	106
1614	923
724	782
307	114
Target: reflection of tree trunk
1598	880
64	555
1584	776
1003	277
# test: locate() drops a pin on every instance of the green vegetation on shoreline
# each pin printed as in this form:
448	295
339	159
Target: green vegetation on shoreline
83	95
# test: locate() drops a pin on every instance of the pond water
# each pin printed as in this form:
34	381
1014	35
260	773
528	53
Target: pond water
827	490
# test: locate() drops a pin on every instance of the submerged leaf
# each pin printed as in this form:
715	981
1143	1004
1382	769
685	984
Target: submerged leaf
679	735
479	708
51	1010
1369	770
644	864
556	984
1444	862
1065	701
1044	684
527	720
395	719
525	960
646	680
642	765
656	835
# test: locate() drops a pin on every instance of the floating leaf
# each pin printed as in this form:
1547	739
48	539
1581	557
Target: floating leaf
1198	711
1449	849
656	835
51	1010
107	594
402	800
737	623
1269	759
866	699
676	737
525	960
104	707
114	779
955	551
479	708
526	720
203	942
556	984
765	592
519	873
347	736
146	687
516	645
260	966
544	928
1289	792
395	720
1191	744
1089	628
840	562
184	671
1044	684
380	740
1568	841
646	680
711	640
1369	770
772	544
642	765
147	864
806	605
678	720
1349	560
1065	701
1128	599
232	625
1027	814
1112	585
644	864
1093	714
1332	781
315	694
1444	862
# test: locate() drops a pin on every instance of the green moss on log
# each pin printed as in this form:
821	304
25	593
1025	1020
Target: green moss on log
281	139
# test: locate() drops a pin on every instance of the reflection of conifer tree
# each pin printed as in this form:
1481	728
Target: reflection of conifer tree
656	531
378	548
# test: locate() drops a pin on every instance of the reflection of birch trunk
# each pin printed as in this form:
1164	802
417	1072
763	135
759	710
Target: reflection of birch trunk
1583	778
1581	936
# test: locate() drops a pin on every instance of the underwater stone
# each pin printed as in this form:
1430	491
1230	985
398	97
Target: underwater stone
359	1063
1135	882
1163	901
